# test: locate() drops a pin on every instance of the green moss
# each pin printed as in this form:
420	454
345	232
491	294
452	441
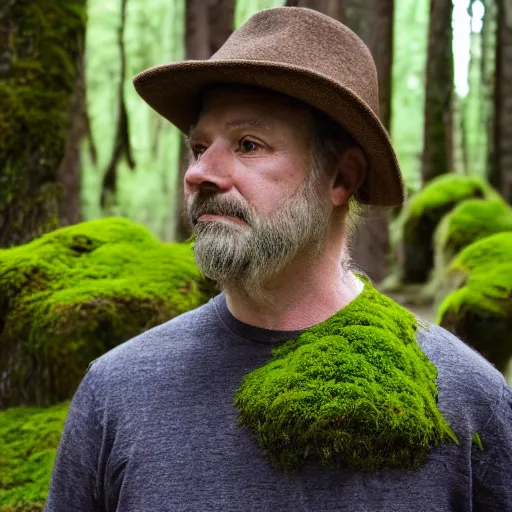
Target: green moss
424	212
28	444
443	191
479	310
485	273
477	441
73	294
37	82
354	390
469	222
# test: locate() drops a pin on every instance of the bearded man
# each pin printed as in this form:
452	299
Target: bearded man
270	396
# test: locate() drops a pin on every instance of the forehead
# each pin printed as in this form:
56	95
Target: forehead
263	108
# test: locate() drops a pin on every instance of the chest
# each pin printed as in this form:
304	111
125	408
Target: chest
186	453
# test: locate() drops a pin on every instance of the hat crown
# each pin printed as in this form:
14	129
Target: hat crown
306	39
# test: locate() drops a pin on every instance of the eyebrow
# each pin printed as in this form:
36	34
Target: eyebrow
252	122
235	123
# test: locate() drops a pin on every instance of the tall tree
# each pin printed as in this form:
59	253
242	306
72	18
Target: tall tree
501	163
487	73
70	170
372	21
122	146
437	156
39	64
208	23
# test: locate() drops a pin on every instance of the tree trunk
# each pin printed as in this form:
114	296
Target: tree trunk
39	61
69	173
122	147
438	144
487	72
208	24
501	169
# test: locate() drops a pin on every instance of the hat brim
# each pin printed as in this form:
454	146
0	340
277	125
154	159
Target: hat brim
174	91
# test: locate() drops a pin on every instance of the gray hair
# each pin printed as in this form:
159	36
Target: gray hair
328	141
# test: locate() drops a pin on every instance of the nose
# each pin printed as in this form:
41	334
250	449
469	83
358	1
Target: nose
211	172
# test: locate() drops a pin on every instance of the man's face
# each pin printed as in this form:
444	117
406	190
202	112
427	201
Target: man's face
248	190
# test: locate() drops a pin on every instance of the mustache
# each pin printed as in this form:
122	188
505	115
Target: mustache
199	204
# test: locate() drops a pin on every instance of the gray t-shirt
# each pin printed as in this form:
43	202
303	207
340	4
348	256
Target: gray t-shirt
152	427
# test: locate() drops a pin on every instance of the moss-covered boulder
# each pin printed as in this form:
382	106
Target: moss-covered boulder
29	438
469	222
355	390
422	215
479	310
75	293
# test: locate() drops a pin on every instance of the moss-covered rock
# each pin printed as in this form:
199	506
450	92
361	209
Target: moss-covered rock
354	390
480	308
75	293
422	215
29	438
469	222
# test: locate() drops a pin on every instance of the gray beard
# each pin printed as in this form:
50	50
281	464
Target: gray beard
247	257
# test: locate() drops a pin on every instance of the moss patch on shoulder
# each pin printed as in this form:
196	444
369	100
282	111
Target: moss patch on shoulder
423	213
469	222
479	310
75	293
29	438
354	390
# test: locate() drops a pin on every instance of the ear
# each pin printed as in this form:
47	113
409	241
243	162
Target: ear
350	174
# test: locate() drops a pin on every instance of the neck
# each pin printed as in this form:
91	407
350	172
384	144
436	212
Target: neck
303	294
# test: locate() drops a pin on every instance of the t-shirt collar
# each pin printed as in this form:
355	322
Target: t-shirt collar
247	331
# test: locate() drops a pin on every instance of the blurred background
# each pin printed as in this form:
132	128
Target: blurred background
93	248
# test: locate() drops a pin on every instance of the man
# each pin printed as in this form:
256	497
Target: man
270	191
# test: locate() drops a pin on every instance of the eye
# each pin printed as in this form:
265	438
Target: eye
248	146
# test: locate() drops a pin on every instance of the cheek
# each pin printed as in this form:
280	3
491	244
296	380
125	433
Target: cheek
268	188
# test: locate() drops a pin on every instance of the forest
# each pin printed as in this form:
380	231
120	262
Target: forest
94	249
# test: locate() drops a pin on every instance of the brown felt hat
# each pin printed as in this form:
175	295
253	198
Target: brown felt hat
304	54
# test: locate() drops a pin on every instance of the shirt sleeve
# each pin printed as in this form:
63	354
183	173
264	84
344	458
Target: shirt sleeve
492	461
73	483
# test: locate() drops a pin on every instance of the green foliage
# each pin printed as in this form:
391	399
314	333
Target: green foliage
75	293
355	390
28	444
468	222
485	271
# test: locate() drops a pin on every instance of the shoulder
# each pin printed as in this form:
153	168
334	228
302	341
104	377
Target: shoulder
470	388
157	346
